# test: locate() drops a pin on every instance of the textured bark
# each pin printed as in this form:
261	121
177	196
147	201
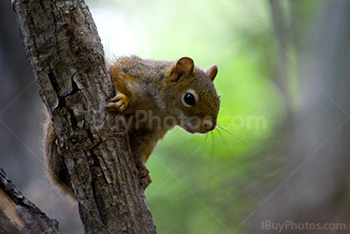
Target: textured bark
18	214
66	55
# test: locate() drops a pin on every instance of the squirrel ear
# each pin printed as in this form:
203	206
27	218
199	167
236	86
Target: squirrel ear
184	65
211	72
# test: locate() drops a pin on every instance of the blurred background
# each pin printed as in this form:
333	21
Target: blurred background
280	154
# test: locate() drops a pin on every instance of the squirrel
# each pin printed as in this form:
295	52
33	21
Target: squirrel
154	96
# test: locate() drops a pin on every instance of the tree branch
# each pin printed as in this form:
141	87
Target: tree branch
18	214
66	55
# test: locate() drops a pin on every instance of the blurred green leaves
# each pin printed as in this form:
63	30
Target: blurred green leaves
208	184
201	183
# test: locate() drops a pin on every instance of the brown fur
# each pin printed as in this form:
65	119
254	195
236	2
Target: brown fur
149	85
55	167
159	86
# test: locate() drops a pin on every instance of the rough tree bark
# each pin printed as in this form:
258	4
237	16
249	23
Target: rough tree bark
18	214
66	55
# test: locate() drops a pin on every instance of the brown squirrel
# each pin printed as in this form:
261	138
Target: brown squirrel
154	96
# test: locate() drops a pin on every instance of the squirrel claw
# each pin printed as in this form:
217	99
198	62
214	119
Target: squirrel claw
144	176
145	181
143	173
118	102
117	97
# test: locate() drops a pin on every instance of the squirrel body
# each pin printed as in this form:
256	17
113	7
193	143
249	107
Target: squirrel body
154	96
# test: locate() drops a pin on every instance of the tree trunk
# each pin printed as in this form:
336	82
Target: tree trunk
66	55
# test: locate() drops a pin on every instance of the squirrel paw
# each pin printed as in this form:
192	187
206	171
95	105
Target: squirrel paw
144	176
118	102
145	181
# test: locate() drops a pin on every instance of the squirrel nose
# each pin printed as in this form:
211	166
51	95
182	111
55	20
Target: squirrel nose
209	125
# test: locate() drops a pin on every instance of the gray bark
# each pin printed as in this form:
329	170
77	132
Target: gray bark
18	214
67	58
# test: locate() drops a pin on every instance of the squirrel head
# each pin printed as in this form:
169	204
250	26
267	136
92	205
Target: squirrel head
194	100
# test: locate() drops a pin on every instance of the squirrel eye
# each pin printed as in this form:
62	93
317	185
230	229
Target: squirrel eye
189	99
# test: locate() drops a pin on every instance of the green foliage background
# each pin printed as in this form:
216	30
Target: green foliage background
211	183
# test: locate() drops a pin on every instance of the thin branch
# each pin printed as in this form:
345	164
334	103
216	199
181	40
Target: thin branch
18	214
